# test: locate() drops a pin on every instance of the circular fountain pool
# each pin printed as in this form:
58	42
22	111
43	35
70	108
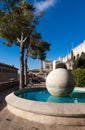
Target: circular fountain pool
43	95
30	105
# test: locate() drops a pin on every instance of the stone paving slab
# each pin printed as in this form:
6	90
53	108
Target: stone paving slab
8	121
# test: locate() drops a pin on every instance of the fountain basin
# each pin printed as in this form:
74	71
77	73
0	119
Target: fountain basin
46	112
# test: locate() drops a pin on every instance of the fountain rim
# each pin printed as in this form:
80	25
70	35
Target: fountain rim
46	108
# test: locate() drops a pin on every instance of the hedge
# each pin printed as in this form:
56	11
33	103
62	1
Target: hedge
79	75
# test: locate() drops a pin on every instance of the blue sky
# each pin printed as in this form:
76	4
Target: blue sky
63	26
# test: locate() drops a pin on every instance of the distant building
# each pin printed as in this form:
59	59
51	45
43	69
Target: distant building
67	60
48	66
8	73
76	51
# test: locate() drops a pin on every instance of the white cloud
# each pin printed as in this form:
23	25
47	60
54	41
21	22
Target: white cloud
44	5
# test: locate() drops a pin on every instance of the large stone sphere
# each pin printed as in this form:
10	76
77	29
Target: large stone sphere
60	82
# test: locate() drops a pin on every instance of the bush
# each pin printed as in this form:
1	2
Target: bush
79	62
79	75
61	65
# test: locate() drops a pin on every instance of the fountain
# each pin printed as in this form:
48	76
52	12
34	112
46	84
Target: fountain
60	103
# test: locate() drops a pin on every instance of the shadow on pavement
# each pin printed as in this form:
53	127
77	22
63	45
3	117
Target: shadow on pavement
3	94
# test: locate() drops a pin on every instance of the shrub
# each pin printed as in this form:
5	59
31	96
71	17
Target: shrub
79	62
61	65
79	75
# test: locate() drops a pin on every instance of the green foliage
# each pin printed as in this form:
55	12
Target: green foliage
6	5
82	60
17	24
17	21
79	62
79	75
75	64
42	48
72	56
17	17
38	47
61	65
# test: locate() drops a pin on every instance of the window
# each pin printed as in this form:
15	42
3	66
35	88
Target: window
47	67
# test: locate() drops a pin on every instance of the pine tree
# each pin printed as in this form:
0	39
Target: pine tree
17	22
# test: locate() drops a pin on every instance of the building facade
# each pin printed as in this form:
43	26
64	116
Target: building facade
67	60
8	73
48	66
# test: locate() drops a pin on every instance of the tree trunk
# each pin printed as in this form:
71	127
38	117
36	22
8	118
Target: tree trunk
26	70
41	66
21	66
21	41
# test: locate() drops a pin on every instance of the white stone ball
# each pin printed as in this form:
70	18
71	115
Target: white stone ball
60	82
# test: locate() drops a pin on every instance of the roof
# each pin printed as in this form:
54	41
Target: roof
47	61
6	65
